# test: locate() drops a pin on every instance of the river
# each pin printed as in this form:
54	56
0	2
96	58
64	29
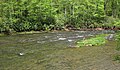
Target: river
51	51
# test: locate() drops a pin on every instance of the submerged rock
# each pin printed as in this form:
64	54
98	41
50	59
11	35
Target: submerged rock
21	54
70	40
80	36
61	38
73	46
110	37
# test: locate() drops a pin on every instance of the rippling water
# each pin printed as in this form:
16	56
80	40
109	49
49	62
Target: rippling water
49	51
65	37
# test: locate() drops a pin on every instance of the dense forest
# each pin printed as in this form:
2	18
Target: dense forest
37	15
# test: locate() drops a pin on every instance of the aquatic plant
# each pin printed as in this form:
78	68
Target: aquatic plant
117	58
97	40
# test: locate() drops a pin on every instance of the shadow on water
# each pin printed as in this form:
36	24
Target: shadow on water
50	51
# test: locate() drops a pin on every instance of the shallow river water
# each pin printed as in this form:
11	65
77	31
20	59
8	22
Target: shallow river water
51	51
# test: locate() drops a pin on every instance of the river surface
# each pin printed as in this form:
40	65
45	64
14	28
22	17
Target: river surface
52	51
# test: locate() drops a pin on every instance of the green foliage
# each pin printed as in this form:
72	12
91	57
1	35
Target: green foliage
117	23
118	36
111	22
117	58
26	15
118	40
98	40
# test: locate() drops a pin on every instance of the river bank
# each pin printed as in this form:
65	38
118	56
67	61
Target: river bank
66	29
